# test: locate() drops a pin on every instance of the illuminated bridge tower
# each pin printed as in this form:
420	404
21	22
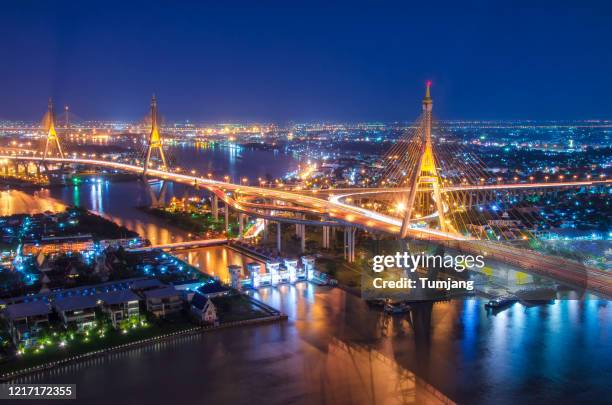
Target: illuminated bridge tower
155	141
426	179
52	137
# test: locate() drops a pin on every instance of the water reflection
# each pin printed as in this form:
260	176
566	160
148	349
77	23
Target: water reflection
18	202
120	202
234	160
216	259
334	349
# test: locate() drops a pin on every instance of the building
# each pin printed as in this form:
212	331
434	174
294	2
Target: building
26	320
162	302
119	305
213	289
77	311
203	310
235	272
140	285
59	244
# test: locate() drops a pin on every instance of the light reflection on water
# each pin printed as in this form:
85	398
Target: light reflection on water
19	202
334	349
234	161
119	202
215	260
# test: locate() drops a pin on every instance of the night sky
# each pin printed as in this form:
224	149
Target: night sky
283	62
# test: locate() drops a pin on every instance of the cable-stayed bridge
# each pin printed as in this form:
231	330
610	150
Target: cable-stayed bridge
435	206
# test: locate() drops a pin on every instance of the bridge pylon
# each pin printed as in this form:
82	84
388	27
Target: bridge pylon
52	137
154	141
425	178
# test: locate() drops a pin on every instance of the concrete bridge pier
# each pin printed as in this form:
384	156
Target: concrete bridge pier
302	238
349	244
214	206
325	239
265	228
226	212
278	237
240	225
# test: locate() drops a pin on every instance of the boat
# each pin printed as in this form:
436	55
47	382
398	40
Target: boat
377	303
501	302
397	308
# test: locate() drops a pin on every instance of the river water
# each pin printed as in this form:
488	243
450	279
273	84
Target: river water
119	201
336	350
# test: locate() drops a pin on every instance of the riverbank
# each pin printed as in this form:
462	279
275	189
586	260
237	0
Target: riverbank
10	375
198	224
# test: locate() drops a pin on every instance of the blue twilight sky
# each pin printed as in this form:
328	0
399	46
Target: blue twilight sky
282	61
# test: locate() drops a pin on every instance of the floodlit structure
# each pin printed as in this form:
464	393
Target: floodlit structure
155	141
425	177
52	137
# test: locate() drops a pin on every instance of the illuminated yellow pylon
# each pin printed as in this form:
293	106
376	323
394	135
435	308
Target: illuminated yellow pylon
426	177
155	141
52	136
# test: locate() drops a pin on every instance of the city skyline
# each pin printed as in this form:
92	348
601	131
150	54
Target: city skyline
278	64
334	203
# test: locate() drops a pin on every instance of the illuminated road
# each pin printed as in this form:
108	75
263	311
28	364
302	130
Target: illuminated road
334	212
182	245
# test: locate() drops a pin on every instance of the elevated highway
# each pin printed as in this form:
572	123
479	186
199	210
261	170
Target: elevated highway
334	212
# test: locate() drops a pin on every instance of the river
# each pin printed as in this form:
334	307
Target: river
334	349
119	201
